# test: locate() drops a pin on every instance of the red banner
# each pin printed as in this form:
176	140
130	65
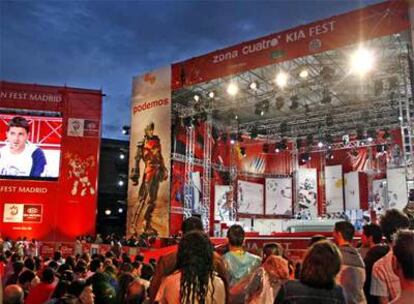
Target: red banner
368	23
60	203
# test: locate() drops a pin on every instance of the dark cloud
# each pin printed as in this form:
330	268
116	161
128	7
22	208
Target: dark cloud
103	44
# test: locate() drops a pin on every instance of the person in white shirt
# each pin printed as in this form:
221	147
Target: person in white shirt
19	157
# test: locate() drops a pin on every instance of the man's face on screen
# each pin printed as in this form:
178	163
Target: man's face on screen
17	138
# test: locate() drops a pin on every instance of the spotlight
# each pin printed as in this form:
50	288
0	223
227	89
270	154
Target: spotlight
320	144
196	97
253	86
108	212
261	113
277	150
362	61
233	138
304	74
329	155
120	183
125	130
281	79
120	210
232	89
371	134
211	94
305	157
122	156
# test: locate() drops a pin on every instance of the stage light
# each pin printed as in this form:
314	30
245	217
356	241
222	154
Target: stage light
233	138
261	113
120	210
121	183
122	156
370	139
362	61
232	89
400	118
196	97
277	150
108	212
320	144
211	94
253	86
281	79
304	74
125	130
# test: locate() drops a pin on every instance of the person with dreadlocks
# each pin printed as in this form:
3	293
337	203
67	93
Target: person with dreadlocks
194	281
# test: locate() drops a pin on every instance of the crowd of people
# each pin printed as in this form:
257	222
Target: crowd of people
332	271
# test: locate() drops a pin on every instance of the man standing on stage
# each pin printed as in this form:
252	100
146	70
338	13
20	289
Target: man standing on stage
148	150
19	157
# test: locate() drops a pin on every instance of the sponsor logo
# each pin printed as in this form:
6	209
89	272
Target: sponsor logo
150	78
150	104
32	213
14	210
315	45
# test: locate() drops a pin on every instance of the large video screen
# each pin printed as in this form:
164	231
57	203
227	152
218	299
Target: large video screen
30	145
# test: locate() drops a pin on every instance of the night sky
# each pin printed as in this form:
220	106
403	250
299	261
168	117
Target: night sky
103	44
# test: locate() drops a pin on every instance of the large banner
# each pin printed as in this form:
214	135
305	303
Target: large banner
278	196
307	193
334	189
223	203
48	177
150	148
371	22
352	195
397	188
250	197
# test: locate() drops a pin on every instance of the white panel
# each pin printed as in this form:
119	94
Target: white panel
334	189
397	188
250	197
278	196
379	195
307	202
222	206
352	190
